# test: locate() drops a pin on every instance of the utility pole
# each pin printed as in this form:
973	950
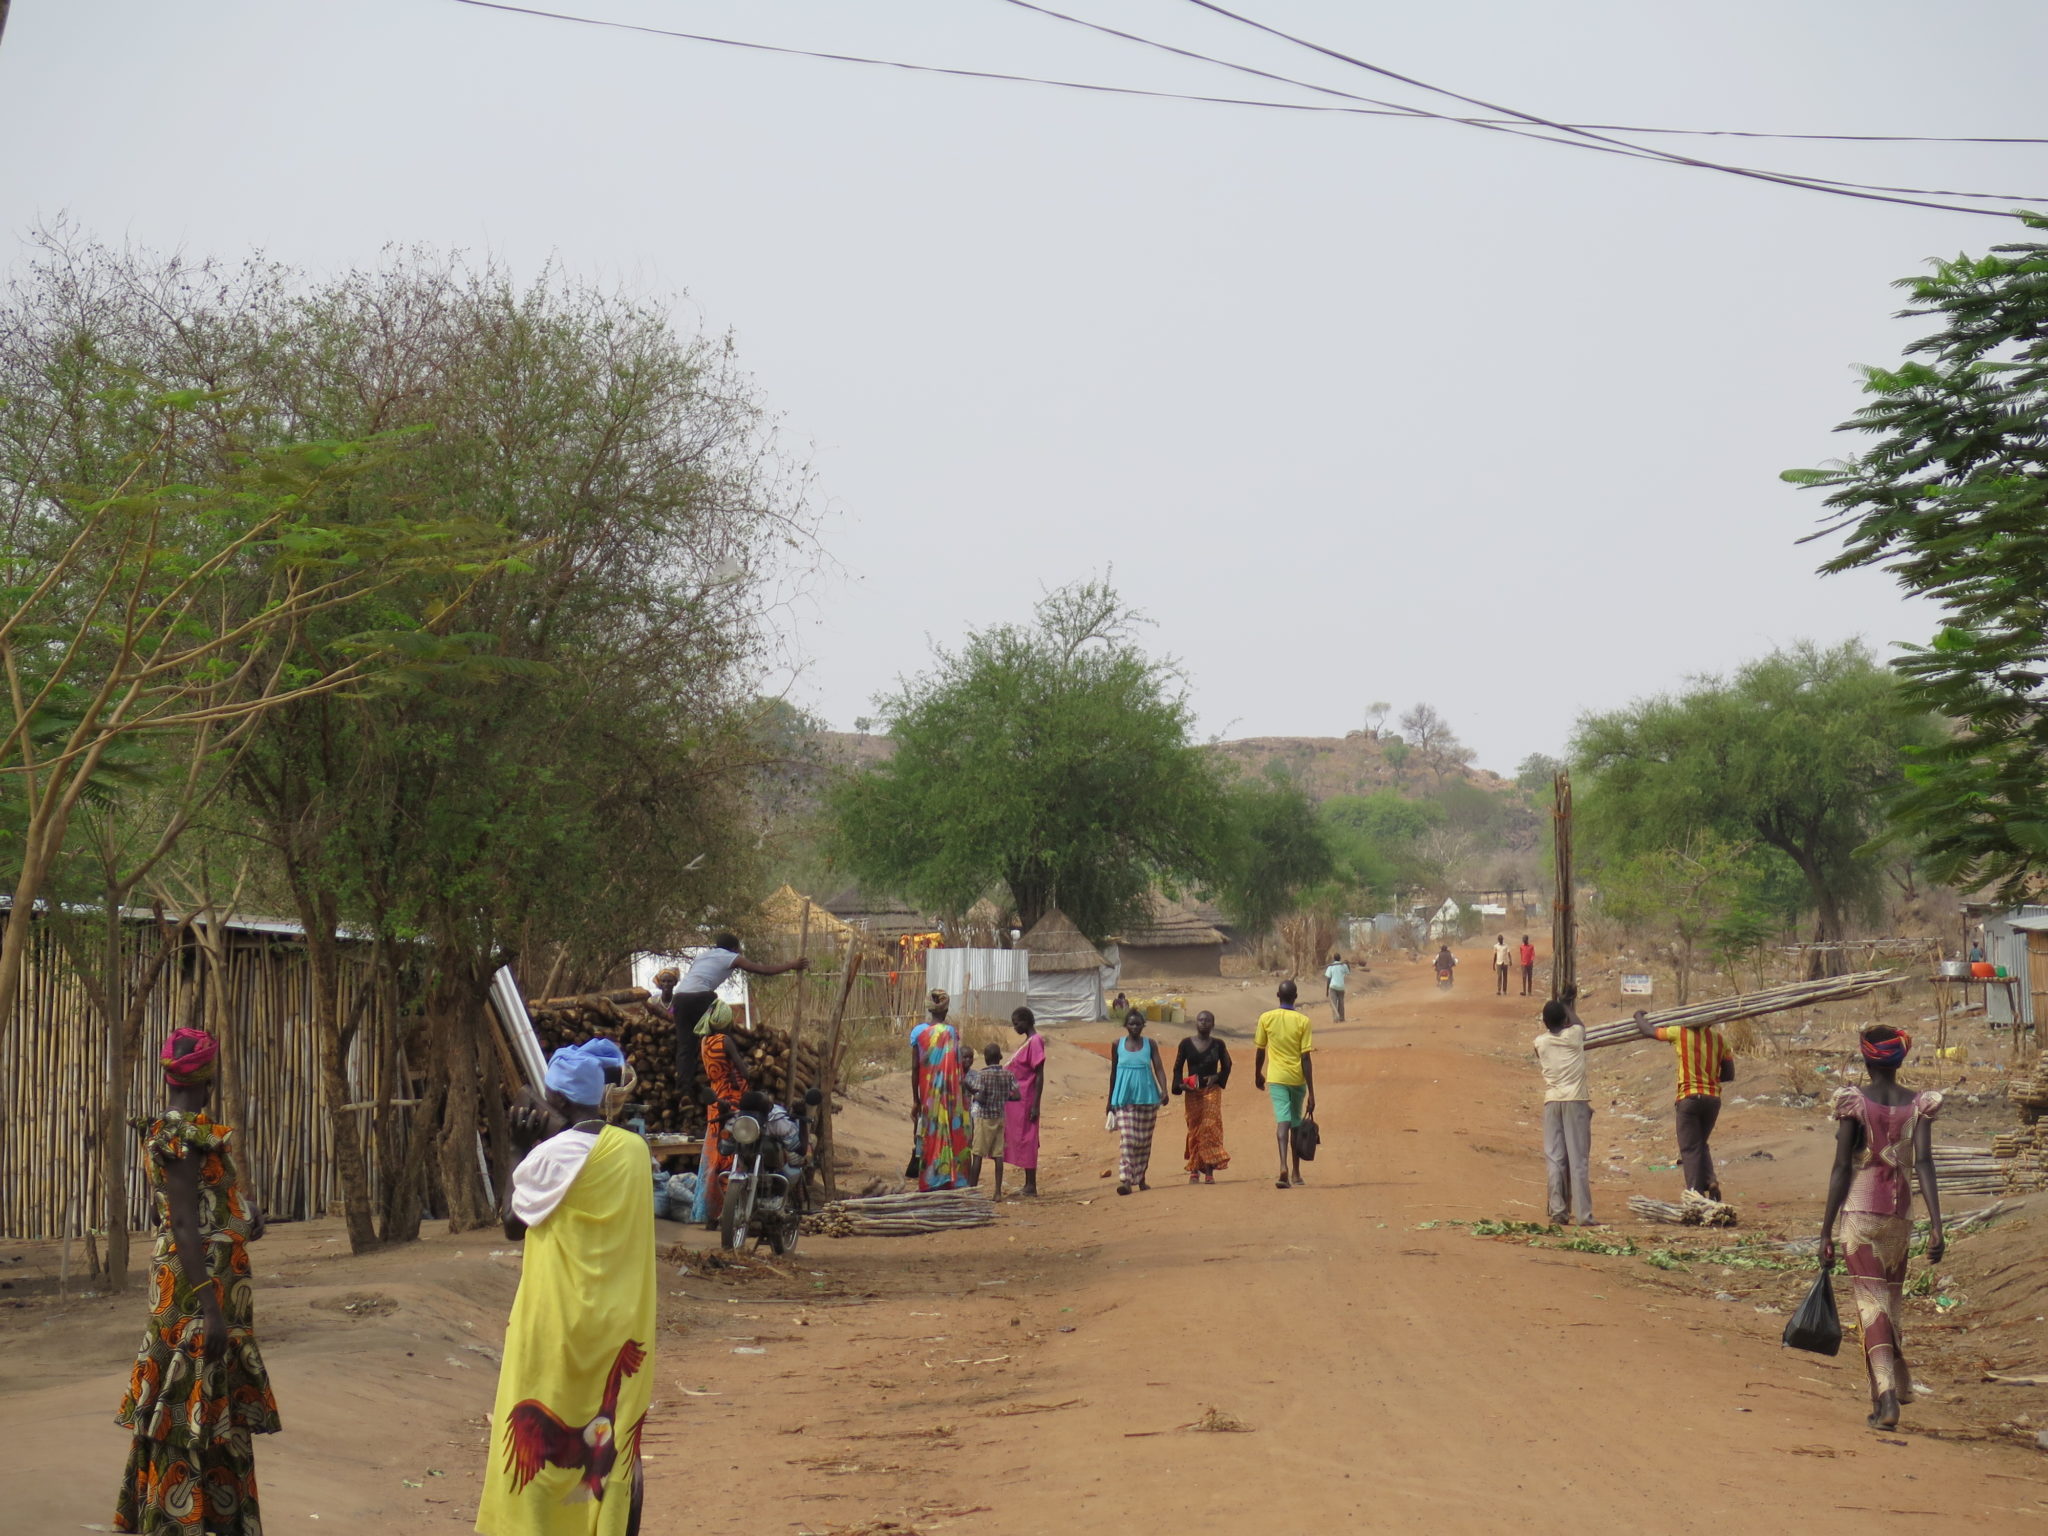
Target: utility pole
1564	964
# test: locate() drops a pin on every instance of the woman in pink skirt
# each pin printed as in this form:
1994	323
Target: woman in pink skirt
1020	1119
1883	1128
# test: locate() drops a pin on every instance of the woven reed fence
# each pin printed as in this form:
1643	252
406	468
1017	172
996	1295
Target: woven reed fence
53	1074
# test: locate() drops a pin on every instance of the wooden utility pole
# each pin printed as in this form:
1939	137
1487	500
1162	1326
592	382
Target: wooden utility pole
828	1075
1564	967
796	1024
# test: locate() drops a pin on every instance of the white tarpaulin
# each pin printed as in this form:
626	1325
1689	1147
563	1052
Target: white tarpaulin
644	966
983	983
1059	997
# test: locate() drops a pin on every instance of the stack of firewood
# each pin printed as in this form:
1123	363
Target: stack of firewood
910	1214
2023	1155
2031	1093
648	1040
1743	1005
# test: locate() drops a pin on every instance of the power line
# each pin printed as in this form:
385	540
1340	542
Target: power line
1581	133
1515	126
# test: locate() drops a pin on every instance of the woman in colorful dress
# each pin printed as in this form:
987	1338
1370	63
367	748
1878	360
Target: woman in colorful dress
726	1072
198	1390
1137	1088
939	1108
1201	1071
1883	1128
1020	1120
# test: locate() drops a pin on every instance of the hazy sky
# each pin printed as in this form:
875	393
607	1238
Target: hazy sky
1356	409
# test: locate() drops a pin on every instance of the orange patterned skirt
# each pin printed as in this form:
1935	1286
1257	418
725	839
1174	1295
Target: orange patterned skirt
1205	1130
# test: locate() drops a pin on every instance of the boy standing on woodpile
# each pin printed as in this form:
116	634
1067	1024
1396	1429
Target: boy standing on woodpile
698	990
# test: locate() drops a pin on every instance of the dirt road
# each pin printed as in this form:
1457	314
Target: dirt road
1036	1376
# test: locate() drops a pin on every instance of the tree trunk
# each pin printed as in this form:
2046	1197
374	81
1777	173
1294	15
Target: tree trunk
114	1150
323	956
449	1019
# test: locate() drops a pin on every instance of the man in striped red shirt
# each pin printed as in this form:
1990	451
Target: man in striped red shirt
1704	1063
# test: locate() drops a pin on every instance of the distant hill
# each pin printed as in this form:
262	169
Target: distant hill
1323	766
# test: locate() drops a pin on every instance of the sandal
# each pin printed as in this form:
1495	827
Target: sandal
1123	1189
1209	1177
1281	1183
1194	1178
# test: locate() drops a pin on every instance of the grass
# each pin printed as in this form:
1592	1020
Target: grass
1750	1253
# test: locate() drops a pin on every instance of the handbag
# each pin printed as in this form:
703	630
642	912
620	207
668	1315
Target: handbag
1305	1137
1109	1121
1816	1326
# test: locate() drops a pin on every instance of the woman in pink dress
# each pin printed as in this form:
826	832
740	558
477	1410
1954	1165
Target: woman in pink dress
1020	1119
1883	1128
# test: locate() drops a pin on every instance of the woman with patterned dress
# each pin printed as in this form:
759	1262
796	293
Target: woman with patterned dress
1137	1089
198	1390
1201	1071
939	1107
1883	1128
1020	1120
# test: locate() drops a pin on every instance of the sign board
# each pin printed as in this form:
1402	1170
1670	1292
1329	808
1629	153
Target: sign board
1635	986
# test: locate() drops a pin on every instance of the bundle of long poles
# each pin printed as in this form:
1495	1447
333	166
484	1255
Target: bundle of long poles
1743	1005
905	1215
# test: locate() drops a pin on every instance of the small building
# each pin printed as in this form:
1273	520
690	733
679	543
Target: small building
1172	940
1065	977
2017	938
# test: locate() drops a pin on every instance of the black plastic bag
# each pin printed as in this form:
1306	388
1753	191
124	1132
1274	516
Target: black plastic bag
1816	1327
1306	1138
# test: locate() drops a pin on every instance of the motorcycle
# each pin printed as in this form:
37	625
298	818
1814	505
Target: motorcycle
767	1187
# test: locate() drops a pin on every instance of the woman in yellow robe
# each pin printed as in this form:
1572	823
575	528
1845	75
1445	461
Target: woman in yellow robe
578	1373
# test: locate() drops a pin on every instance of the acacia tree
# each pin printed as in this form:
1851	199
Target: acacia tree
1683	894
1053	760
557	742
1798	752
1952	499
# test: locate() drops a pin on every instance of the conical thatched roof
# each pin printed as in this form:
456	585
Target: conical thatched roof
1057	945
1171	925
784	912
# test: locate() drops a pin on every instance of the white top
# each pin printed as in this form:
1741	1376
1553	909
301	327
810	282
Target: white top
1562	1057
544	1175
707	973
1502	955
1337	974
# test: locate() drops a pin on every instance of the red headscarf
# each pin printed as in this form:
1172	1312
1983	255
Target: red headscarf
195	1063
1887	1053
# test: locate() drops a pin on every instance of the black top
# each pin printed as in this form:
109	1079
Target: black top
1208	1065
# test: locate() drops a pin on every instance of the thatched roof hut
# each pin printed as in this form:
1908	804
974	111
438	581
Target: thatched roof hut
782	924
1066	970
1057	945
884	917
1174	938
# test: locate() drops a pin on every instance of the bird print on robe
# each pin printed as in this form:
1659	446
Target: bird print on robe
535	1436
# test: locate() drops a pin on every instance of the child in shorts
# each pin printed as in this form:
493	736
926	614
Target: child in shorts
989	1088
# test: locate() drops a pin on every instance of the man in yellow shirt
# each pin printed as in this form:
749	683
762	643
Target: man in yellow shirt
1282	1064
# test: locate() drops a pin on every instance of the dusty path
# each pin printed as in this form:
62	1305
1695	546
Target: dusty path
1031	1377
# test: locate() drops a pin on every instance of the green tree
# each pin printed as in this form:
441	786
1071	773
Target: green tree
1052	760
1679	897
1952	499
1537	773
1275	848
1798	752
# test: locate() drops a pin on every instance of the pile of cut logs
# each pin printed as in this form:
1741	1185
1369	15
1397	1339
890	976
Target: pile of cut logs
1968	1170
2031	1092
649	1042
2024	1156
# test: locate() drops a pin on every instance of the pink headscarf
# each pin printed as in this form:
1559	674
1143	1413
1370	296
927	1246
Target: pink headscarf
195	1063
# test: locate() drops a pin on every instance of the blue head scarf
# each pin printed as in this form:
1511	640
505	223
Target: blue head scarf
576	1072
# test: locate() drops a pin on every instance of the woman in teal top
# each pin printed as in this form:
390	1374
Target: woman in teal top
1137	1087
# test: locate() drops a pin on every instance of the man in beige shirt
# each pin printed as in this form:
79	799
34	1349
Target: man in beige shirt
1567	1114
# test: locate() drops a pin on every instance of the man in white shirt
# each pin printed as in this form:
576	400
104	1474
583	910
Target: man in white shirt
1503	957
1337	974
1567	1114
